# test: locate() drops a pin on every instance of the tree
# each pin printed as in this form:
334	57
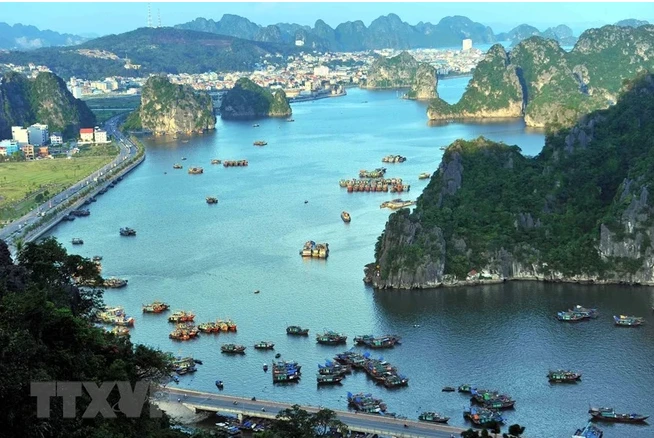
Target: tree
515	430
298	423
470	433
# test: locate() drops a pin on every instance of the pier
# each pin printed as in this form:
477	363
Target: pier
358	422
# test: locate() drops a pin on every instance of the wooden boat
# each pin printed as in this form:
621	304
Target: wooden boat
96	258
215	161
346	217
329	379
232	349
590	431
120	331
448	389
296	330
395	381
235	163
181	316
491	399
208	327
393	159
424	175
264	345
628	321
609	415
155	307
563	376
220	384
113	283
433	417
377	173
372	341
184	365
482	417
260	143
396	204
115	316
366	403
315	250
577	313
212	200
331	338
126	231
177	166
77	241
195	170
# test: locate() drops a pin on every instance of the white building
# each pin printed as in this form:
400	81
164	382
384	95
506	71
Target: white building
467	44
56	138
77	92
37	134
299	43
321	71
19	134
100	135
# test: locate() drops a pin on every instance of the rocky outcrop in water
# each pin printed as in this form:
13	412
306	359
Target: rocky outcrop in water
580	211
403	71
247	100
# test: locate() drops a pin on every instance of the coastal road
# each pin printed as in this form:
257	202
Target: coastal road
386	426
127	150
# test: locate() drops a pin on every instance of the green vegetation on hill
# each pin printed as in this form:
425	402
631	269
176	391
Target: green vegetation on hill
248	100
580	208
47	334
44	99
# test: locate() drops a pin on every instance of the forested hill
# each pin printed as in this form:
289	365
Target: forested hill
579	211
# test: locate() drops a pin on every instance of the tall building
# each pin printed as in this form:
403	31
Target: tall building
19	134
37	134
467	44
100	135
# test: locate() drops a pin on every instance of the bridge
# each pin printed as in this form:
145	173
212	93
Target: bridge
367	423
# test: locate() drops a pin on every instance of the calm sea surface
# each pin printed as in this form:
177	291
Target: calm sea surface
210	259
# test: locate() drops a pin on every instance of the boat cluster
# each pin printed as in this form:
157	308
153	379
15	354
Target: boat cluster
115	316
396	204
579	313
393	159
393	185
379	370
366	403
286	371
377	173
235	163
372	341
218	326
315	250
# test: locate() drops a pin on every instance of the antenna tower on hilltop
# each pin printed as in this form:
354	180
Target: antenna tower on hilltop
159	14
149	16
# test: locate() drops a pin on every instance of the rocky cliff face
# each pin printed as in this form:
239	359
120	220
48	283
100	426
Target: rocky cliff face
493	92
247	100
44	99
579	212
403	71
557	87
168	108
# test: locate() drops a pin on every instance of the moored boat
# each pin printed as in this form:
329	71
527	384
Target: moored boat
181	316
491	399
115	316
482	417
395	381
315	250
448	389
260	143
195	170
155	307
329	379
393	159
235	163
577	313
120	331
215	161
208	327
77	241
345	216
424	175
465	388
590	431
609	415
127	231
212	200
628	321
113	283
232	349
177	166
372	341
184	365
396	204
297	330
264	345
563	376
366	403
331	338
433	417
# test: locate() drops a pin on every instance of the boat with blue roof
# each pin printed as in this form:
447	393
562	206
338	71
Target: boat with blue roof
590	431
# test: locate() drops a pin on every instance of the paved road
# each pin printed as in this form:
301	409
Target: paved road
358	422
127	150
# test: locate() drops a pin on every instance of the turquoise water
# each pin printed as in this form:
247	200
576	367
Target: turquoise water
210	259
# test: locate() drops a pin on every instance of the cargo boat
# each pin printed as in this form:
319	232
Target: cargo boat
296	330
232	349
628	321
609	415
315	250
195	170
346	216
433	417
264	345
331	338
181	316
155	307
562	376
126	231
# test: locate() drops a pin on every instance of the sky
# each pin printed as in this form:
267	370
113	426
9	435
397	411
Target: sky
108	18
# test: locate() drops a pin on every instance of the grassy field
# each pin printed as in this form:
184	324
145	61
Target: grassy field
26	184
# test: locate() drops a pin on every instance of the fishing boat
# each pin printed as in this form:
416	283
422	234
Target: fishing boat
433	417
265	367
184	365
215	161
563	376
393	159
260	143
331	338
96	258
126	231
297	330
424	175
155	307
115	316
184	332
366	403
220	384
68	218
290	120
264	345
628	321
208	327
377	173
77	241
609	415
235	163
177	166
195	170
577	313
80	213
345	216
482	417
396	204
491	399
120	331
212	200
181	316
183	158
371	341
232	349
315	250
448	389
590	431
395	381
256	125
334	368
465	388
114	283
286	372
329	379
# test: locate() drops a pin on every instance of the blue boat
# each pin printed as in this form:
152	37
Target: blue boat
590	431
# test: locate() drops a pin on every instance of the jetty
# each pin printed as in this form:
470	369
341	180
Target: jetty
245	407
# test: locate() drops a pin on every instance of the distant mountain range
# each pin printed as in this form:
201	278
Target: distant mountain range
561	33
22	37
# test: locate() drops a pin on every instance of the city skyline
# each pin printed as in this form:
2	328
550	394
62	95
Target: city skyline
501	17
